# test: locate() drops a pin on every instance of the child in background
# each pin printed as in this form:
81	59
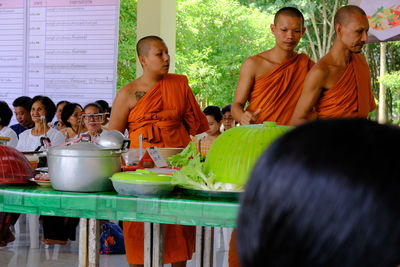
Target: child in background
214	118
227	119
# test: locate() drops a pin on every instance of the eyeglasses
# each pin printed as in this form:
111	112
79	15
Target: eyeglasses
98	117
230	118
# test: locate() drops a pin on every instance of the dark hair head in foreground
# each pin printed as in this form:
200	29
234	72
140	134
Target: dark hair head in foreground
325	194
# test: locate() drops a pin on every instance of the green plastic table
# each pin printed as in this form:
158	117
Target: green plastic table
177	209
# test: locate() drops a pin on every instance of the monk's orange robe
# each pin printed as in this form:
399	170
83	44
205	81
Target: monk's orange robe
276	93
351	96
166	115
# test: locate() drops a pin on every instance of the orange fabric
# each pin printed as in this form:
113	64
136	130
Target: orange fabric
233	257
276	93
351	97
165	115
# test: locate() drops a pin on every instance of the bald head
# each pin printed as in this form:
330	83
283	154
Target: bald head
290	12
344	14
144	44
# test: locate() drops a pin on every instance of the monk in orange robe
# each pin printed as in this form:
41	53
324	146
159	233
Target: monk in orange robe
162	107
272	82
339	85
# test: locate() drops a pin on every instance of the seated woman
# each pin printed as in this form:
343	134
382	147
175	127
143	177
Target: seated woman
71	117
59	125
93	119
325	194
56	230
228	121
106	109
5	118
42	111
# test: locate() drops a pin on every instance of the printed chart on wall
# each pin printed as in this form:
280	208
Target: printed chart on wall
384	19
64	49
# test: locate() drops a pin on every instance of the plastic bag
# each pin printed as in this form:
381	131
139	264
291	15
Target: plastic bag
111	239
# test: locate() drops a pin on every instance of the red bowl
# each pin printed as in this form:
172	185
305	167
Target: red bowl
14	166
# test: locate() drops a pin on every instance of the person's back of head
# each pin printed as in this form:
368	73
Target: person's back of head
5	114
325	194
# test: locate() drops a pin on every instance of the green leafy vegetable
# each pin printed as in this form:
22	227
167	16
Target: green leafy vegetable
192	176
183	158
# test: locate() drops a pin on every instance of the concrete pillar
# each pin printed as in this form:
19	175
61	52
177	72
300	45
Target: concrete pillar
157	17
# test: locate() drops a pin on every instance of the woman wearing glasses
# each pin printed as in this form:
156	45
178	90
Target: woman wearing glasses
93	119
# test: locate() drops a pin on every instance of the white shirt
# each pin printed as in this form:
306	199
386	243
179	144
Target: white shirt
8	132
28	142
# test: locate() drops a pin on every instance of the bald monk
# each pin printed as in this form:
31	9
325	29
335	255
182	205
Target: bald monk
162	107
339	85
272	81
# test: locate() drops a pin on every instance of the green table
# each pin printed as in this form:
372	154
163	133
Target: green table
178	209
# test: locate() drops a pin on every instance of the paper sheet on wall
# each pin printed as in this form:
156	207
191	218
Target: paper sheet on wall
383	17
64	49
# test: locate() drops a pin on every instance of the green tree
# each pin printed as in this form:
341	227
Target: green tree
126	71
389	80
213	39
318	15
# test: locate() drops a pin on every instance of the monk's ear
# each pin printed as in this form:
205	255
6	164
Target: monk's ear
272	27
338	28
303	30
142	60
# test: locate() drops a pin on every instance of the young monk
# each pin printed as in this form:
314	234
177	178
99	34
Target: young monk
272	81
339	85
162	108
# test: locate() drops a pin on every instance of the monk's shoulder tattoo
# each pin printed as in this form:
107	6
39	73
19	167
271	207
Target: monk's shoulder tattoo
139	95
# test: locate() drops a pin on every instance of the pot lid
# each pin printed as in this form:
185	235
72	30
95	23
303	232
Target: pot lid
82	149
80	146
142	176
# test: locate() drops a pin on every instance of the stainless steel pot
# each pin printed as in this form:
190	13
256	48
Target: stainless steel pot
82	167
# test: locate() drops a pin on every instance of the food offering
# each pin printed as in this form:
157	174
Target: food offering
224	172
42	177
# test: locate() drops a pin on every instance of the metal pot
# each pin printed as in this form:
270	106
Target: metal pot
82	167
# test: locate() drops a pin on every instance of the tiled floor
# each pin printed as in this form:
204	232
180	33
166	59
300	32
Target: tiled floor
19	253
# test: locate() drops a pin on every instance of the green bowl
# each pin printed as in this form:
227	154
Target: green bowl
141	176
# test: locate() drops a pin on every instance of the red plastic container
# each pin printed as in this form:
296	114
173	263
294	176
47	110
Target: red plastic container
14	166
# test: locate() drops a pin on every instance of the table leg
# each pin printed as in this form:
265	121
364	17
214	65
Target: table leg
208	246
199	246
158	245
147	244
83	243
94	243
204	246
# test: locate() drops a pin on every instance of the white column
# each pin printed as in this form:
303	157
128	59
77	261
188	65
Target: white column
157	17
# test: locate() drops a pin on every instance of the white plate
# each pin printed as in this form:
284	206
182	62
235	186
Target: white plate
41	182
